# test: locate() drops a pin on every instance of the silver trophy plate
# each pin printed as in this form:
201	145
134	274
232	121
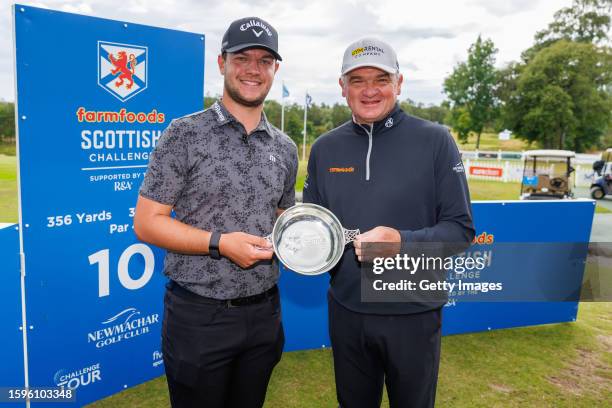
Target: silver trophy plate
309	239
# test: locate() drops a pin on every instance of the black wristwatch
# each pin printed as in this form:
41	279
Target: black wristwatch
213	245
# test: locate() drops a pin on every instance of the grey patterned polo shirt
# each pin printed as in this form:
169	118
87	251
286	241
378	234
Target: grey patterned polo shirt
218	178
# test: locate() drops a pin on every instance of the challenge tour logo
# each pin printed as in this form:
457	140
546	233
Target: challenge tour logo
125	325
122	69
78	378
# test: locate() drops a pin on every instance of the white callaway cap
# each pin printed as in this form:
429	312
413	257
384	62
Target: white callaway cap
370	52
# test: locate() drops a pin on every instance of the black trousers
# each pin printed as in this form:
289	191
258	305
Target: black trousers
402	351
219	356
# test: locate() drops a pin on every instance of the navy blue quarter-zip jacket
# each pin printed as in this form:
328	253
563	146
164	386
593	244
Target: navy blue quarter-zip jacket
401	172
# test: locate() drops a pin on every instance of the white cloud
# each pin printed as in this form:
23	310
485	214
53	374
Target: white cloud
505	8
79	8
430	37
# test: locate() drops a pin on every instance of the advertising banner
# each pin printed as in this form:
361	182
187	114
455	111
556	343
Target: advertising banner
11	352
93	97
485	171
544	226
526	245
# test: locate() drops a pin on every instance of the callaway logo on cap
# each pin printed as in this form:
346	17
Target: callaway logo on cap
250	32
370	52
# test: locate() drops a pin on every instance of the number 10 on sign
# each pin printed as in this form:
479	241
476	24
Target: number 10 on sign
102	259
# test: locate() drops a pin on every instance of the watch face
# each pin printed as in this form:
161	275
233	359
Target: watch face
308	239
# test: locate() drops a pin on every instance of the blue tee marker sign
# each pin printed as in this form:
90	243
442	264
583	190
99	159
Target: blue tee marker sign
93	97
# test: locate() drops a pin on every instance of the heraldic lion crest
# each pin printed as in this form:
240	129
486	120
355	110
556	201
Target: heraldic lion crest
124	68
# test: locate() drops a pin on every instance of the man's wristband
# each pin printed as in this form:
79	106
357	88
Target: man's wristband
213	245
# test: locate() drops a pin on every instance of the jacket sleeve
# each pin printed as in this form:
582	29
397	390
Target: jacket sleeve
311	186
454	213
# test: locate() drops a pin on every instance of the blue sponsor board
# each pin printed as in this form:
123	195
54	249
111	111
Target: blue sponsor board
93	97
304	304
304	298
549	226
509	227
11	352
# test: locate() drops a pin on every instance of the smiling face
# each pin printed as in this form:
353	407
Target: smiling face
370	93
248	76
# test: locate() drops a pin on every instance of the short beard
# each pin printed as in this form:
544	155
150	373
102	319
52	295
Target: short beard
236	97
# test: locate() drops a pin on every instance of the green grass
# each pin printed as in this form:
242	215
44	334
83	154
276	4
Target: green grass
490	141
493	190
479	189
9	149
301	175
496	190
561	365
8	189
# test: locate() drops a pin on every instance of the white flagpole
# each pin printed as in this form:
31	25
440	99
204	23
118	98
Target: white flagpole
283	108
305	116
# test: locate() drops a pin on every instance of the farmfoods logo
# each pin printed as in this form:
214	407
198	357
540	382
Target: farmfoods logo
123	326
484	239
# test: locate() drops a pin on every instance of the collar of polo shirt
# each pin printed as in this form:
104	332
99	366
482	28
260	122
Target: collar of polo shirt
223	117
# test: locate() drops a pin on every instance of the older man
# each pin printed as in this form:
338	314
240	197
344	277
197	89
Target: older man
226	172
404	184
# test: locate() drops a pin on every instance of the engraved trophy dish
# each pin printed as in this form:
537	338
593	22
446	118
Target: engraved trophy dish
309	239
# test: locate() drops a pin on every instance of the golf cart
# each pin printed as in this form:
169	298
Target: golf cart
546	175
603	168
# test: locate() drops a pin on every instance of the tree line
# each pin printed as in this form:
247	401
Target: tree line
559	95
323	117
7	122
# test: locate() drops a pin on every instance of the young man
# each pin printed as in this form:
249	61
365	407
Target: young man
404	185
226	172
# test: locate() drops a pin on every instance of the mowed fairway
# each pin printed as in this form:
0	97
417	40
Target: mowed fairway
559	365
491	142
479	189
8	189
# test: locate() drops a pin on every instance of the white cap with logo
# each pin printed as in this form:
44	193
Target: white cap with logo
370	52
